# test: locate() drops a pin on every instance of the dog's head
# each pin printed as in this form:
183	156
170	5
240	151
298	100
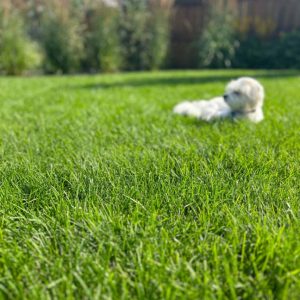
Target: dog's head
244	94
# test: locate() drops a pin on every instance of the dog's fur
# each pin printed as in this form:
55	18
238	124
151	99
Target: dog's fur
243	98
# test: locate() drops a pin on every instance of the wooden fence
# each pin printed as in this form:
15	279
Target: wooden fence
264	17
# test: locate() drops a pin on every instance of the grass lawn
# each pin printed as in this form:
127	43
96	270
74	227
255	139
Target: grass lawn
105	194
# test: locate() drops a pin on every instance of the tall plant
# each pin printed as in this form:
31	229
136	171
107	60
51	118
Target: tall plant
144	32
61	39
159	24
217	45
101	41
17	52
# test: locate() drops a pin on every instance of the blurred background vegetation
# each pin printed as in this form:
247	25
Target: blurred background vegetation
76	36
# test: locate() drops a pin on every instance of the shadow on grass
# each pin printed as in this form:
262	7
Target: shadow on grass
216	124
184	80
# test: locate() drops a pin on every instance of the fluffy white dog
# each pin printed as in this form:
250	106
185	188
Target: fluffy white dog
243	98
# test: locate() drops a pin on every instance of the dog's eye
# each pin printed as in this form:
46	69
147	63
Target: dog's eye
237	93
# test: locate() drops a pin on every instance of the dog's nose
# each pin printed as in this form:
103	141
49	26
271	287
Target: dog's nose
225	97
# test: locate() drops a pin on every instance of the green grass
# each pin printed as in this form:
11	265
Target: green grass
105	194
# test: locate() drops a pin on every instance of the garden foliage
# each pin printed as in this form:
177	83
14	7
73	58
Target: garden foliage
74	36
61	40
218	43
18	52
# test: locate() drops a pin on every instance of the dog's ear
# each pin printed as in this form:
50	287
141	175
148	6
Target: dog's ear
230	84
257	94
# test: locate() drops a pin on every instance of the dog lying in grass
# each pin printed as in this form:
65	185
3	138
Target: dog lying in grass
243	98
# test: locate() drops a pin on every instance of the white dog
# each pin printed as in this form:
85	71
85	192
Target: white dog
243	98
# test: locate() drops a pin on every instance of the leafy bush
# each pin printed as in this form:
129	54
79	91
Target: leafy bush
102	43
144	35
278	52
133	34
255	52
288	53
159	24
222	45
17	52
218	44
61	39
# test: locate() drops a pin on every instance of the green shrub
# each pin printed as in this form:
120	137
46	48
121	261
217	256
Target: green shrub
134	34
61	39
159	37
109	53
17	52
277	52
101	42
255	52
288	53
144	33
218	44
